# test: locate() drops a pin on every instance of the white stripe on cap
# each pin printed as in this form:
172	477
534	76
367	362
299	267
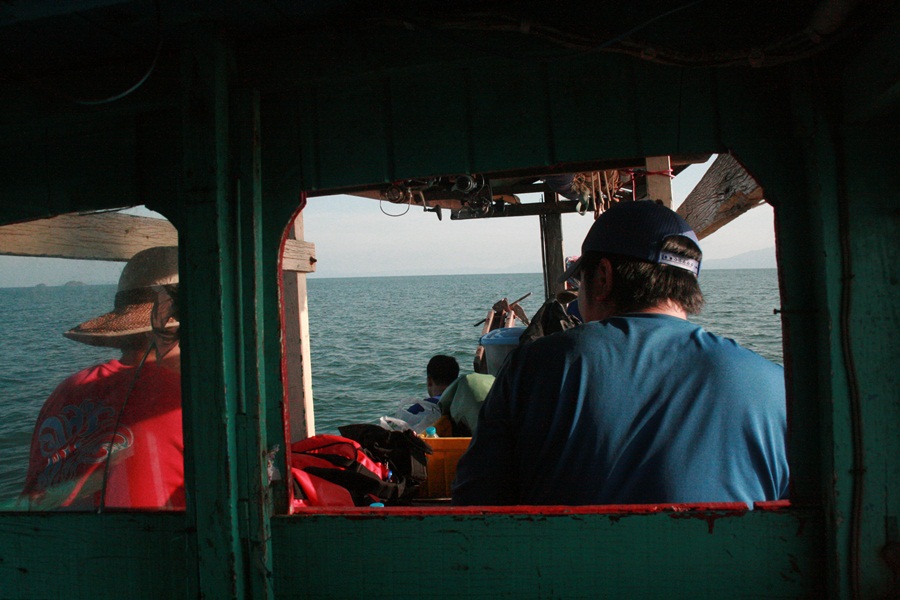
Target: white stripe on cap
682	262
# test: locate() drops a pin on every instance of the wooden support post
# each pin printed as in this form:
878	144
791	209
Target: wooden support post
209	298
552	249
254	496
659	180
297	353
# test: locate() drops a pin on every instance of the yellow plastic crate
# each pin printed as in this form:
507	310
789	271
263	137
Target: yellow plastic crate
442	465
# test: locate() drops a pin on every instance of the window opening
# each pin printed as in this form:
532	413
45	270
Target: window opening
91	365
396	283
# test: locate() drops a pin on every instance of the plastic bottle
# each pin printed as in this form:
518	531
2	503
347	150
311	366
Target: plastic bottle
431	432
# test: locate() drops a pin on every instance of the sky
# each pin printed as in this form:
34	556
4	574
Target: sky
350	233
355	238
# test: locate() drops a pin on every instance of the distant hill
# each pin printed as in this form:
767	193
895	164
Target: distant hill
755	259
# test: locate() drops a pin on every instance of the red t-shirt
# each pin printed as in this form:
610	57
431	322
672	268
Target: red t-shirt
69	447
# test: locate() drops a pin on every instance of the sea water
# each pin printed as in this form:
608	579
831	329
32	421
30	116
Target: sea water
370	340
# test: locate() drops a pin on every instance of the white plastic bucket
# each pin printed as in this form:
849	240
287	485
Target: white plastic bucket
497	344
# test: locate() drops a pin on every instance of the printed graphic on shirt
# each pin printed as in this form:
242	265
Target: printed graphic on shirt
79	436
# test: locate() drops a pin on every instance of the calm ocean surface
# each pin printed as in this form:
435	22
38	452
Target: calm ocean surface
371	339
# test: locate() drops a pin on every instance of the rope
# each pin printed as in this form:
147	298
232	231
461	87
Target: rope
112	439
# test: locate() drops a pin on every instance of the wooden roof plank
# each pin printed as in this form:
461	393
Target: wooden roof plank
96	236
723	194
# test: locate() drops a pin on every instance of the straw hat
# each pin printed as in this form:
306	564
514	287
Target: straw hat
135	297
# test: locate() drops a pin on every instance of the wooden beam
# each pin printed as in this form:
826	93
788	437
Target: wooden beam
527	181
659	180
523	210
552	248
436	198
209	297
250	273
299	256
97	236
724	193
297	354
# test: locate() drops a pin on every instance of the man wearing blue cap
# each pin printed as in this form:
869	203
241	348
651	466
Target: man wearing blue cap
637	405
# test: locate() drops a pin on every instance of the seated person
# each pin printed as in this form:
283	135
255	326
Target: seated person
637	405
441	372
462	399
110	435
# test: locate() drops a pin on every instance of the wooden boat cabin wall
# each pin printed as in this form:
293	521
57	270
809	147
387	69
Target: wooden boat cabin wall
220	116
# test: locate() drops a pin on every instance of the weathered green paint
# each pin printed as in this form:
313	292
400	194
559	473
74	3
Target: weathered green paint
821	135
757	555
866	460
60	555
255	505
210	296
281	185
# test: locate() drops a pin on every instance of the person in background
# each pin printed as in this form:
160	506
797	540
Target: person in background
440	372
636	405
461	403
110	436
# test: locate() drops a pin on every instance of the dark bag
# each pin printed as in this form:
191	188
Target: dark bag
551	317
405	453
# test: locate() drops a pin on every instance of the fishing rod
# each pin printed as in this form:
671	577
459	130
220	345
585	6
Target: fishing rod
509	305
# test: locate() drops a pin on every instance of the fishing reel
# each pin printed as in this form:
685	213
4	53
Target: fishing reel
473	192
478	198
404	192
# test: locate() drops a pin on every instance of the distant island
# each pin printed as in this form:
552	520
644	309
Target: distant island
755	259
43	285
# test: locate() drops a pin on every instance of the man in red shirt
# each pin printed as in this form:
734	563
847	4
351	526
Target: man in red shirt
110	436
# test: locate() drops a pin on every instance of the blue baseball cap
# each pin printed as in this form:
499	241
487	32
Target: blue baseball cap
638	229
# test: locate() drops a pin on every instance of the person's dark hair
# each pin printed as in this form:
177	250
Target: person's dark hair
640	284
442	369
